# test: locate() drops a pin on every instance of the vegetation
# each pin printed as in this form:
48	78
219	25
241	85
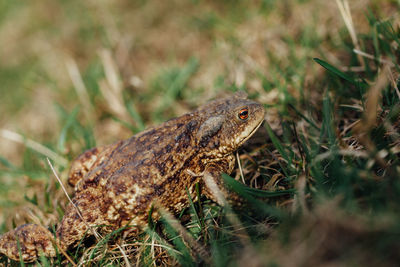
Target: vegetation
321	177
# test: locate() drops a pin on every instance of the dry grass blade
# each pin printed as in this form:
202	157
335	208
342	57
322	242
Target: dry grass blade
13	136
369	56
61	249
343	152
240	167
344	9
124	255
112	88
80	88
394	83
371	113
213	187
300	198
111	71
153	250
373	99
69	199
51	237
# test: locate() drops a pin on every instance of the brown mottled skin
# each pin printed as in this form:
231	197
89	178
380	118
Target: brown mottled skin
117	184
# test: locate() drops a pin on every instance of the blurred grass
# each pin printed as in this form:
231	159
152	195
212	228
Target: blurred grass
77	74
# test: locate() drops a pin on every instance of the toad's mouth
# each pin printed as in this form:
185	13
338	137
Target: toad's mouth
251	133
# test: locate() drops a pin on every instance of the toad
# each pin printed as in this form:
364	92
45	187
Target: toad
116	185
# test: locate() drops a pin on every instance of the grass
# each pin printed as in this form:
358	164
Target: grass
321	176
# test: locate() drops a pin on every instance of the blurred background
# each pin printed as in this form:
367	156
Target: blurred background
75	74
61	55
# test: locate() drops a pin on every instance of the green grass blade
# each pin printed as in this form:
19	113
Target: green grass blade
170	250
336	71
106	239
71	119
328	120
43	260
256	192
130	107
184	258
277	143
304	117
255	203
6	163
194	214
21	262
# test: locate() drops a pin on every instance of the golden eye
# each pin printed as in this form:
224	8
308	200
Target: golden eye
243	114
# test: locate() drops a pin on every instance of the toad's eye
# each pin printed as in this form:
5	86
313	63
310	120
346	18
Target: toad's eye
243	114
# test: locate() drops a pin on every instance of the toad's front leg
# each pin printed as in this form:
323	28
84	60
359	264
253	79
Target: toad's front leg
214	185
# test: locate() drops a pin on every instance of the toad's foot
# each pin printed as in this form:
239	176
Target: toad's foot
27	242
